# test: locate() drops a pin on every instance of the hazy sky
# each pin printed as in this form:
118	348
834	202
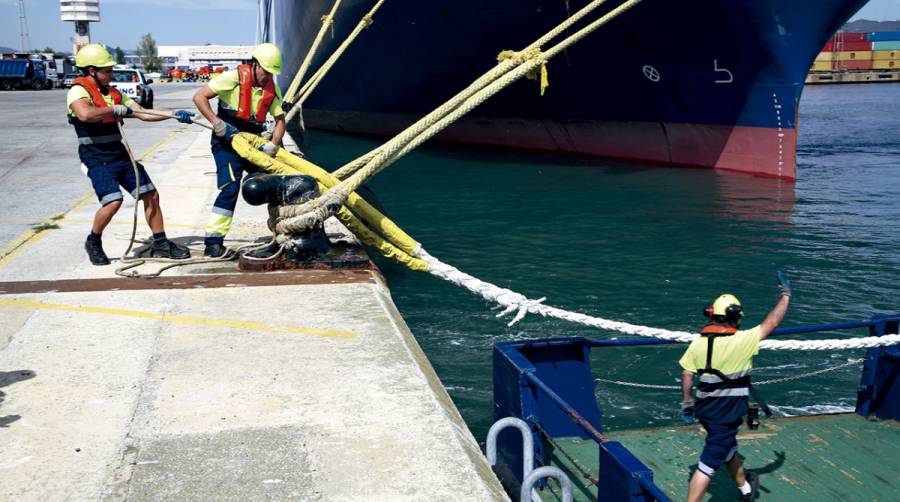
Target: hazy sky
191	22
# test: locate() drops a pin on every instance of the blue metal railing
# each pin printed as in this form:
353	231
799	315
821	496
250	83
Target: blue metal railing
530	375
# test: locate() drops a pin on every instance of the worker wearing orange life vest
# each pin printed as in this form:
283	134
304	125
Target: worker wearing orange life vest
246	96
93	108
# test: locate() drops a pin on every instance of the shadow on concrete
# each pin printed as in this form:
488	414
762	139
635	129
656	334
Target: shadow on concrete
9	378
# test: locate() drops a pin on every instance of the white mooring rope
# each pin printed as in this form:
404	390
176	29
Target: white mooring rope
512	301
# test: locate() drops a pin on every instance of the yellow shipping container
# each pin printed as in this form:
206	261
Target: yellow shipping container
827	56
884	55
886	64
856	55
821	66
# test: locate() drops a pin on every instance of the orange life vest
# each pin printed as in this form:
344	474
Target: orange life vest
97	97
245	79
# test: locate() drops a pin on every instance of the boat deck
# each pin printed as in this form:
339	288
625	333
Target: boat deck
825	457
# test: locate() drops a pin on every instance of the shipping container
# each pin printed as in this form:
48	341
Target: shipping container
851	36
886	46
853	64
885	55
855	55
824	56
853	46
886	64
821	66
884	36
828	47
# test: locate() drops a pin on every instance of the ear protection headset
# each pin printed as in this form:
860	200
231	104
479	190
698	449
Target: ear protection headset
732	312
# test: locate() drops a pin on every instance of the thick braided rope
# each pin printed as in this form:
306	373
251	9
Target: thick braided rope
317	77
512	301
506	61
327	21
322	208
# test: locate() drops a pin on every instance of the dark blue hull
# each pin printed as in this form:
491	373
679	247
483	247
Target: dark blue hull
712	83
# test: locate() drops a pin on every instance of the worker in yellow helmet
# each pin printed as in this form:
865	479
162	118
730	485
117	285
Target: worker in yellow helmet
723	356
93	109
246	96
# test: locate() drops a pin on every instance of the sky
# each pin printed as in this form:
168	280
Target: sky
191	22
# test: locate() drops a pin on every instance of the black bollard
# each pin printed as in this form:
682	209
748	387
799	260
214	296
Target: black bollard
279	190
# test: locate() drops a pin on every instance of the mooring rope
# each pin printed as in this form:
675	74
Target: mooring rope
853	362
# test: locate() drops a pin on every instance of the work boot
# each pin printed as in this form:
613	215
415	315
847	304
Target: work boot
94	248
168	249
753	479
215	250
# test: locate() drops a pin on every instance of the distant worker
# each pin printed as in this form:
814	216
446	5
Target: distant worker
93	109
246	95
723	356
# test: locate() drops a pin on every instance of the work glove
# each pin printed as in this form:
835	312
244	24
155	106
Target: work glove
784	285
224	130
122	111
184	116
687	412
286	106
269	149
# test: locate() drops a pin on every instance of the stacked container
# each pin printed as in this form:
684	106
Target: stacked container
860	51
885	50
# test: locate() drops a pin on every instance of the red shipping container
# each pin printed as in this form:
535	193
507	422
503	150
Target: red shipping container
852	36
853	64
854	46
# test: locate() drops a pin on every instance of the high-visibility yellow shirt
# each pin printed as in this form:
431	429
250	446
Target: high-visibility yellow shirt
731	354
78	92
227	86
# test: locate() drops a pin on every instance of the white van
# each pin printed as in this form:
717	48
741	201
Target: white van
134	84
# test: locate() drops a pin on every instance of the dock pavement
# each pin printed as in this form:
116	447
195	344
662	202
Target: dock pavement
207	383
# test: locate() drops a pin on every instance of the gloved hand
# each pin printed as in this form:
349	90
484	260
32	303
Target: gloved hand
269	149
687	412
784	285
224	130
286	106
184	116
122	111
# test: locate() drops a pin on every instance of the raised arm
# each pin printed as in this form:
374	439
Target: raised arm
775	316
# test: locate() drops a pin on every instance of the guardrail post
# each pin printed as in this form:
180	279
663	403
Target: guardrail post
527	443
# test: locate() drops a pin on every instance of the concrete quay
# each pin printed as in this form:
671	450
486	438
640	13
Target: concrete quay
206	383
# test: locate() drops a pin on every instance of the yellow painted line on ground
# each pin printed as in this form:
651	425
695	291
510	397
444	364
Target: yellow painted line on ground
18	246
176	319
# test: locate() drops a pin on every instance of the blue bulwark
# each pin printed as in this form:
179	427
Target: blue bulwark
879	385
622	476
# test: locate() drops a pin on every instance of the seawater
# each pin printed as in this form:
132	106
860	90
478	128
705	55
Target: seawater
651	246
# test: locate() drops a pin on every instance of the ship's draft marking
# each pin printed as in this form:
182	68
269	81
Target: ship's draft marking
777	107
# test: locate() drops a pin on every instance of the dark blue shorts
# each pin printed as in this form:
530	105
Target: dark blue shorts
107	178
720	447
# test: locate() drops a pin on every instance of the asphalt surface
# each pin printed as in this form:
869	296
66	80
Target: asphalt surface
40	174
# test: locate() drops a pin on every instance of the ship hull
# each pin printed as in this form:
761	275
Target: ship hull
710	83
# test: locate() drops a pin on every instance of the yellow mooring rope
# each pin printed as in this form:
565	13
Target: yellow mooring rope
509	69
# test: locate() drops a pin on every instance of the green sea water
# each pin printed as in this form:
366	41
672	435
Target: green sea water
650	246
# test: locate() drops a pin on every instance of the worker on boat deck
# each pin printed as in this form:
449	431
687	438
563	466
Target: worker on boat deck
723	356
93	109
246	95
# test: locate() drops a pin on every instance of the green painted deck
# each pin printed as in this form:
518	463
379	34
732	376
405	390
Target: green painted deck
826	457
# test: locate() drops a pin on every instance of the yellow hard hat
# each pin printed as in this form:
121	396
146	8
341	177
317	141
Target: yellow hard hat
728	306
269	57
94	55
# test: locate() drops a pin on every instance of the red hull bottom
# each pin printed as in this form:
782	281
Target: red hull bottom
760	151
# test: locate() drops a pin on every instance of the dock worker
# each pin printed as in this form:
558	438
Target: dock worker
93	109
723	356
246	96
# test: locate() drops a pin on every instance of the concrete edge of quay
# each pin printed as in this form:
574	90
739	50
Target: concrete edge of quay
309	388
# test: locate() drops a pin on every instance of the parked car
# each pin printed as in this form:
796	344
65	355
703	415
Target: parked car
69	80
135	85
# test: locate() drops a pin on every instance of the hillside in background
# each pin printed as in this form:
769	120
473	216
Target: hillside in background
867	26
